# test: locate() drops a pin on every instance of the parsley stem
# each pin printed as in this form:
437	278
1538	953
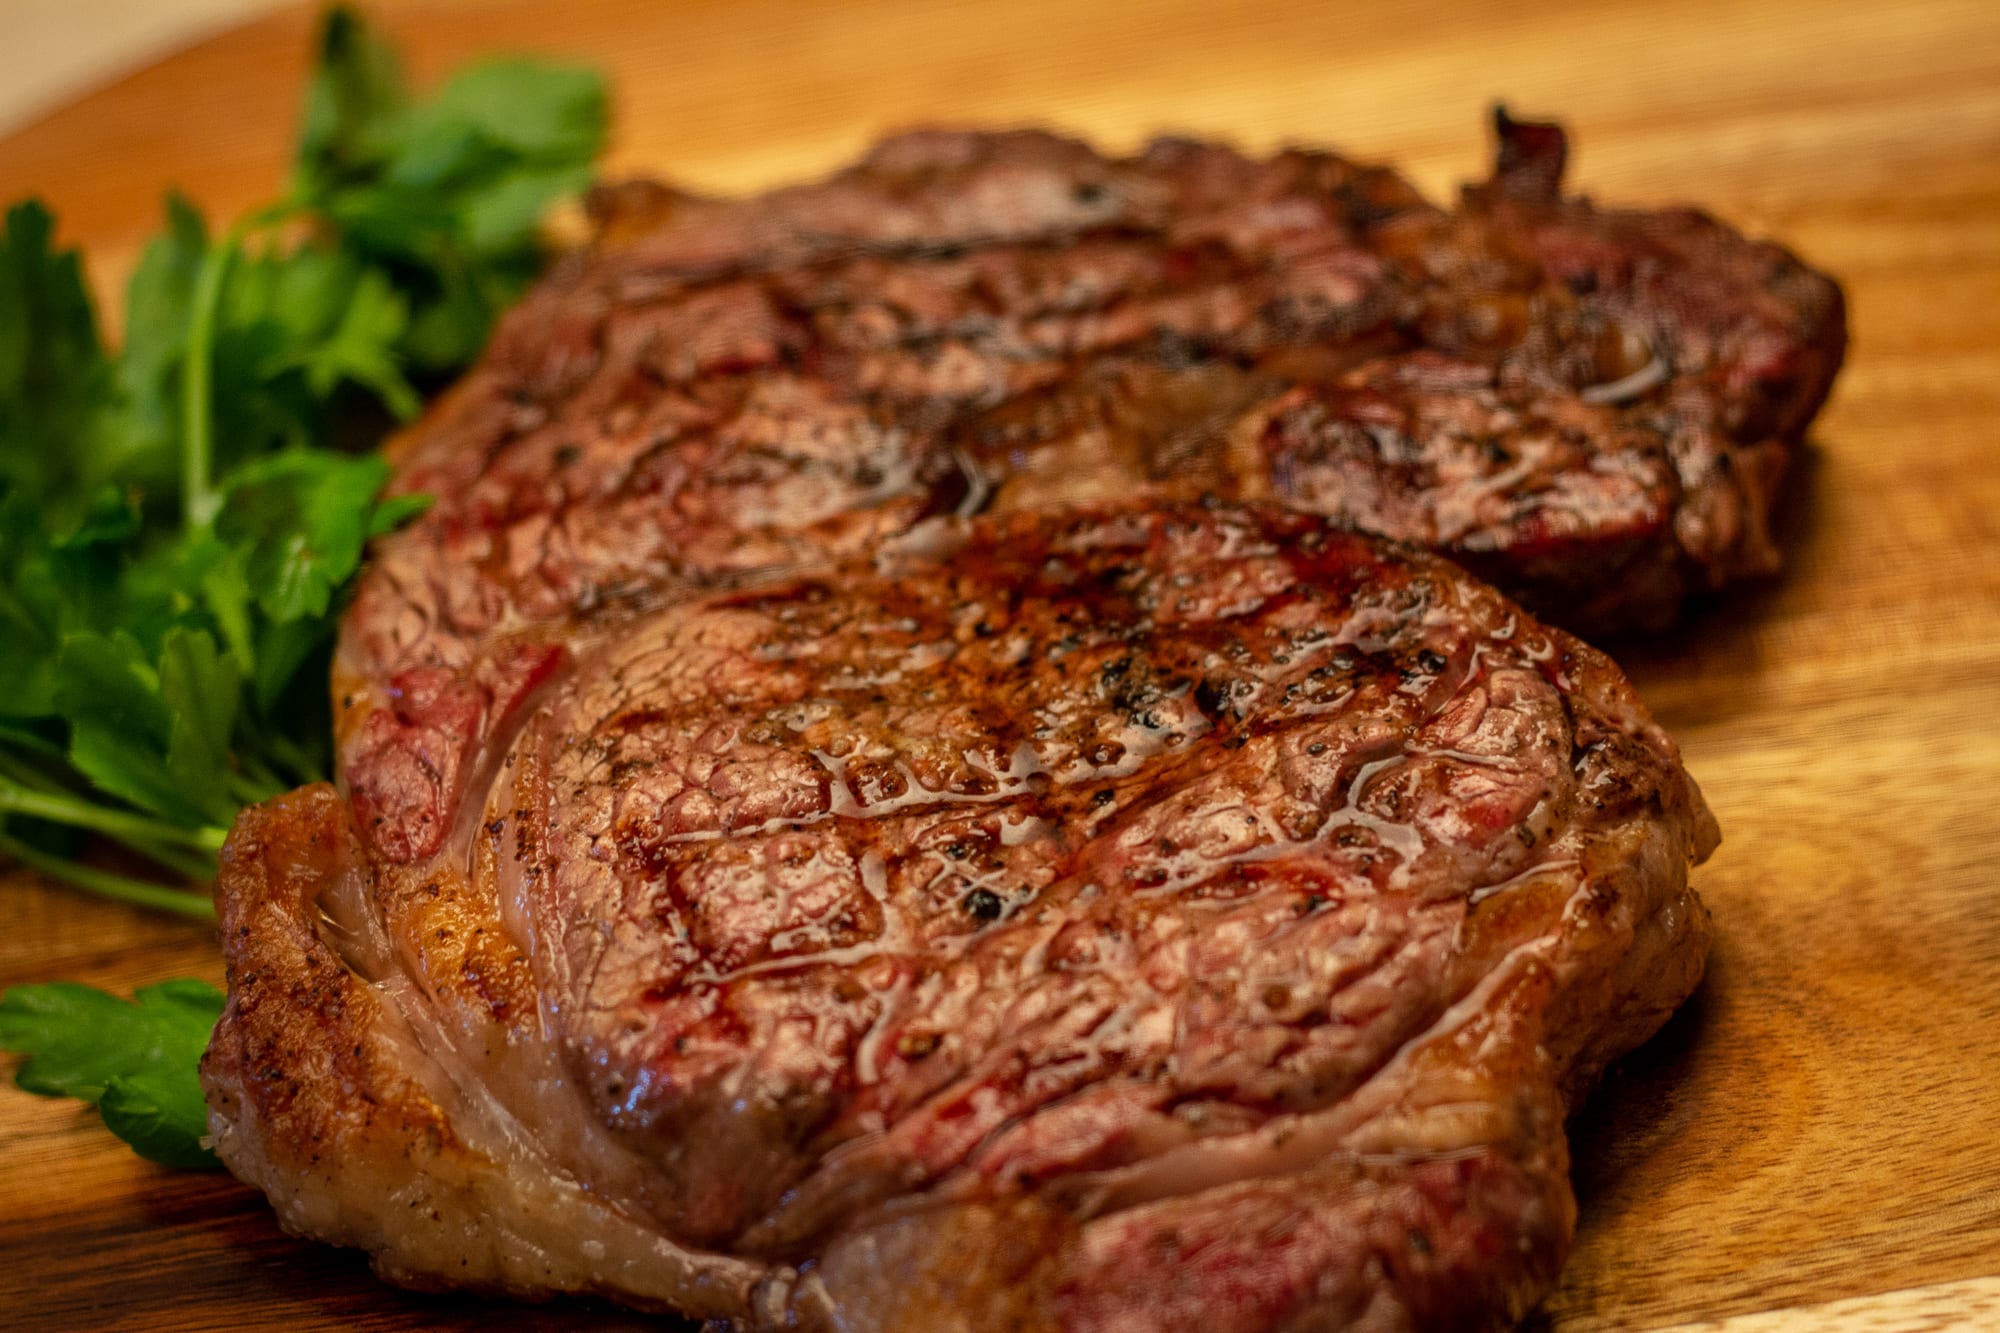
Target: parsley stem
252	788
291	759
198	500
260	773
107	885
184	862
78	813
19	738
24	623
189	862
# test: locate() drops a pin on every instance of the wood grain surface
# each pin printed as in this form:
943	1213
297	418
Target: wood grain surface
1819	1131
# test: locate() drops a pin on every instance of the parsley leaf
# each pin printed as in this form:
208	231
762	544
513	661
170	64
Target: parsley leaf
120	727
356	92
162	1114
301	519
53	372
443	194
136	1060
143	453
29	614
291	331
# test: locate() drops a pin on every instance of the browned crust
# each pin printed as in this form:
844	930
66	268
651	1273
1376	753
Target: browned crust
313	1099
297	1046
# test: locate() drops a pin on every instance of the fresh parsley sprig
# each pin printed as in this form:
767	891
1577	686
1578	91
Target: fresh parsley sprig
181	518
135	1061
178	530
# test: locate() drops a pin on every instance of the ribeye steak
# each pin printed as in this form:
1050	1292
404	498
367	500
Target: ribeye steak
1590	408
765	888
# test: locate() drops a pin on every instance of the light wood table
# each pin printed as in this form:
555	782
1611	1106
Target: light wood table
1818	1133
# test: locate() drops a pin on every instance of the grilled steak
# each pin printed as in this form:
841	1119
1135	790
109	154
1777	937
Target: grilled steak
762	889
1118	918
1591	408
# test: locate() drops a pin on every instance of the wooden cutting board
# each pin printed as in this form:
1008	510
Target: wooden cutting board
1818	1133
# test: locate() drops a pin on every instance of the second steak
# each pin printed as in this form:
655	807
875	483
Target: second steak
1593	408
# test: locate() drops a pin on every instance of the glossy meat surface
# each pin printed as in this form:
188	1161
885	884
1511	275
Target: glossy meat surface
1591	408
964	321
836	831
1046	905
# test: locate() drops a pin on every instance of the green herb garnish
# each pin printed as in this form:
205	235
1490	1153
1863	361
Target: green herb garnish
180	520
135	1061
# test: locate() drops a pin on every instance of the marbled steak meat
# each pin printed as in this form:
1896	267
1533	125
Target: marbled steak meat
1590	408
759	891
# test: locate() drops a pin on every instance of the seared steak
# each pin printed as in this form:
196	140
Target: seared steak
1118	918
761	889
1592	408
